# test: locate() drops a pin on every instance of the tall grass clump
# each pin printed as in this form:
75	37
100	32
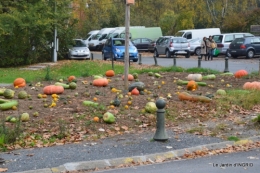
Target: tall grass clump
244	98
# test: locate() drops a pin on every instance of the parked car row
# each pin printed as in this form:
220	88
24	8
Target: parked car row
224	40
229	44
246	46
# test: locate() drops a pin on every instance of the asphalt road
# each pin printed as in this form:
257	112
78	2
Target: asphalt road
240	162
114	147
251	65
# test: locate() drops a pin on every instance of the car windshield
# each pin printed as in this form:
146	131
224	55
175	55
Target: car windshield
121	43
218	38
79	43
179	34
88	36
96	37
238	41
183	40
112	35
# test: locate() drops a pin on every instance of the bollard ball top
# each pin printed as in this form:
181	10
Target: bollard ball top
160	103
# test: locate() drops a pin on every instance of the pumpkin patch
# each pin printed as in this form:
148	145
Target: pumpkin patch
101	107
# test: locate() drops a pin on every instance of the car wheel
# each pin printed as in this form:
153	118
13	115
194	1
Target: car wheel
168	54
250	54
197	51
228	54
135	60
187	55
103	57
155	53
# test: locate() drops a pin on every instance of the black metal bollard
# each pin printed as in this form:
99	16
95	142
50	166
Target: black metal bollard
112	59
160	134
199	61
226	65
174	60
259	68
140	59
91	56
155	60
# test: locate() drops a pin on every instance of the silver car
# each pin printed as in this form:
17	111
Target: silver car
79	50
195	46
170	45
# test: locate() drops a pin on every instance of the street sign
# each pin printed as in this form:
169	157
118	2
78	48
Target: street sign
255	28
129	2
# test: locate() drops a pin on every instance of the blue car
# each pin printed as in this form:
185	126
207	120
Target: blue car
115	48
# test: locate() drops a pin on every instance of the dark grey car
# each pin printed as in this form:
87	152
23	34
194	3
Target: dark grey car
248	46
170	45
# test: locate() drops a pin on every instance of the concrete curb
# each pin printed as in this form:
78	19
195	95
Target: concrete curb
101	164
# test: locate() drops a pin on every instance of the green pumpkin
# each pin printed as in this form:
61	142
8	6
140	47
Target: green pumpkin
8	93
221	92
135	75
72	85
109	118
22	95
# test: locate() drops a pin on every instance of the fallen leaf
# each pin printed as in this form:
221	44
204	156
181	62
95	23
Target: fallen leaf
124	127
159	160
30	155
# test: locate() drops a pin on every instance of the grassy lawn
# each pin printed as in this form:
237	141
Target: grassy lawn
84	69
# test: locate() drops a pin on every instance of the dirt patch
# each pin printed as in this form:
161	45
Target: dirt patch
70	121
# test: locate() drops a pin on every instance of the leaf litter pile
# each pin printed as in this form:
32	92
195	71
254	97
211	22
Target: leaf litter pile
63	118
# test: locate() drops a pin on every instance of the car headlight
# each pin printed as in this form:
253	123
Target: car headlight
117	50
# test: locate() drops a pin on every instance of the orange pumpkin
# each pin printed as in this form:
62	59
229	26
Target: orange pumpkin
192	85
130	77
110	73
100	82
71	78
135	91
240	73
53	89
96	119
252	86
19	82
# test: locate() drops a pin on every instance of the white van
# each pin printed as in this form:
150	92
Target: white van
112	34
93	44
197	33
90	35
116	34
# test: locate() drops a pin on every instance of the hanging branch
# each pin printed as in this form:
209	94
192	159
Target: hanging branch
212	11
